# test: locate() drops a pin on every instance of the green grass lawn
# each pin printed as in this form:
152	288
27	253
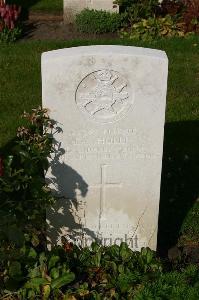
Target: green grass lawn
48	6
20	83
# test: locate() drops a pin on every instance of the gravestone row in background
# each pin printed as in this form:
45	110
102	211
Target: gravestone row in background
73	7
110	103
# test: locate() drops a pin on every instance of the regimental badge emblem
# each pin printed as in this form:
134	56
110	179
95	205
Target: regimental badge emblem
104	96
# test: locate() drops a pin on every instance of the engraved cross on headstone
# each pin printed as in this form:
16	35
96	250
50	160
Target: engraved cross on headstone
103	187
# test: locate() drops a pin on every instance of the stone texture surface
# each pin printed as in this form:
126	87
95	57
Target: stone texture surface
73	7
110	103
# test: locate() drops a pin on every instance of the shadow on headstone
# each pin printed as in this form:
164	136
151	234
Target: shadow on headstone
68	212
66	181
180	180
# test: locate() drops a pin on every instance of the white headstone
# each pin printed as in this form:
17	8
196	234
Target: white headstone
73	7
110	103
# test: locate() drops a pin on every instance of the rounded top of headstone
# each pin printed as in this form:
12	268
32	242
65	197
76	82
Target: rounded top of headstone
105	50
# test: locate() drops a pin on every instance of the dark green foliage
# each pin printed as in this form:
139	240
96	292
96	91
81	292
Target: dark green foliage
145	5
24	194
154	28
135	10
23	191
47	276
98	272
10	36
94	21
46	6
149	20
174	285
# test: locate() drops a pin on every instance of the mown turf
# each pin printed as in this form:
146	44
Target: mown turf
46	6
20	83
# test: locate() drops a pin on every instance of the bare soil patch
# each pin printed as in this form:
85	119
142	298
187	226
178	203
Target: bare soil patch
51	27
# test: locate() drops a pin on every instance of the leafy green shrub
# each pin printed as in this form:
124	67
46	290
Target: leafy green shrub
95	273
154	28
23	192
146	6
47	276
94	21
10	35
98	272
135	10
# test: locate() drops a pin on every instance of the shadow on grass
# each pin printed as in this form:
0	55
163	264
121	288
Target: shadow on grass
29	29
180	180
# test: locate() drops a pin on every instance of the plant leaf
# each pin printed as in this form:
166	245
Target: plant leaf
36	283
63	280
52	262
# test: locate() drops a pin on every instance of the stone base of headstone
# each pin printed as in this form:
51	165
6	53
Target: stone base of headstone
73	7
